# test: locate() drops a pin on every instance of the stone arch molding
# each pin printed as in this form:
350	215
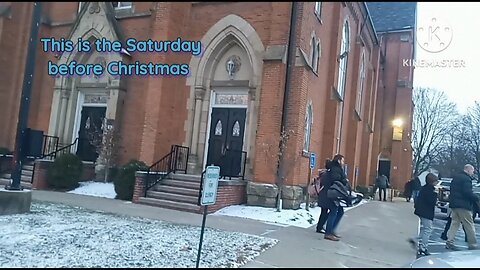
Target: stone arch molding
228	32
231	27
70	92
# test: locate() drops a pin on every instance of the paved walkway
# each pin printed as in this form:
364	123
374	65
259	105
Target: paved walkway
373	234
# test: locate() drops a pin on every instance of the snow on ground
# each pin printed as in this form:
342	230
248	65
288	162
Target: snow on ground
55	235
105	190
287	217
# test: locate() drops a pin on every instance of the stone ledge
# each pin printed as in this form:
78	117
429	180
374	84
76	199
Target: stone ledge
15	202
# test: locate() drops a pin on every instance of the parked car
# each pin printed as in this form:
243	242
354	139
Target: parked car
454	259
443	188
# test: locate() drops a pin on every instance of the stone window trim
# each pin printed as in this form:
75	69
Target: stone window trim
361	87
308	128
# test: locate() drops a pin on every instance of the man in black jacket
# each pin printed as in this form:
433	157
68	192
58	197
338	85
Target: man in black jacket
425	210
462	199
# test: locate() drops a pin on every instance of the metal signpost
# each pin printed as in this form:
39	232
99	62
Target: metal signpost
207	196
312	165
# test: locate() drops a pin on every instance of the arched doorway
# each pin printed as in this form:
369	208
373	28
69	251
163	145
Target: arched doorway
224	86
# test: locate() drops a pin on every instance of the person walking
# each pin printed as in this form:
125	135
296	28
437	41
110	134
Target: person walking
462	199
407	190
335	190
324	213
416	186
382	184
443	236
425	210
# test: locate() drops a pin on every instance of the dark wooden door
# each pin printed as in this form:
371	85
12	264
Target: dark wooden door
90	132
225	145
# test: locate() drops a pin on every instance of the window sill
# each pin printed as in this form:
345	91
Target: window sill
318	17
357	115
305	153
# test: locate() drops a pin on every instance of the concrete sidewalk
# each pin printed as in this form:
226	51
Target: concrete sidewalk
373	234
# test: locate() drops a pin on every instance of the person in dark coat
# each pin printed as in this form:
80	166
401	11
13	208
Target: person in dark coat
461	202
382	184
407	190
416	186
425	210
324	213
335	176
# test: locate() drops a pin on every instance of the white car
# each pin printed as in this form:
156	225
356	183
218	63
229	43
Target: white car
454	259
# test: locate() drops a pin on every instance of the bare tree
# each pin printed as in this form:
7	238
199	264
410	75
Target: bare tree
433	117
472	138
106	141
273	150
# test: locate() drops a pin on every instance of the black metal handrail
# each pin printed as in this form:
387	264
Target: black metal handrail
50	144
175	160
228	161
65	149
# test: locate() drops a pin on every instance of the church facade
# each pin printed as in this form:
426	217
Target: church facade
346	85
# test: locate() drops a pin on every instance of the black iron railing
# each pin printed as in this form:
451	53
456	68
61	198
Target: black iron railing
63	150
50	144
175	160
232	164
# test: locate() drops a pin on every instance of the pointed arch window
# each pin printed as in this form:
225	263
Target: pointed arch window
218	128
343	60
358	105
318	9
236	129
308	128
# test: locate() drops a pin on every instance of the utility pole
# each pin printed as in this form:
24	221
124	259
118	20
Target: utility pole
19	154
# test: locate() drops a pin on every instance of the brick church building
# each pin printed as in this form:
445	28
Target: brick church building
345	87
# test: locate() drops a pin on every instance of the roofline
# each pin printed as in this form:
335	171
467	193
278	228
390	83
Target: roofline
410	28
371	22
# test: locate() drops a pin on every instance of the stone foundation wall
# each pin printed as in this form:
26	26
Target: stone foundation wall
265	195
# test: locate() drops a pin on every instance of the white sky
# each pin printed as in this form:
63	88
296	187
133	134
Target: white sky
460	84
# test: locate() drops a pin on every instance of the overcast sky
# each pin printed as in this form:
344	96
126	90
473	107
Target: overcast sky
461	83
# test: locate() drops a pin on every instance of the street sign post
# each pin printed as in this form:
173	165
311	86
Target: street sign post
312	166
207	196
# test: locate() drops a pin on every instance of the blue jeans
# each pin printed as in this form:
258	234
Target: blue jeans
334	217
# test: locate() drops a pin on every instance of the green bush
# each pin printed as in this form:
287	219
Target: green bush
5	151
125	181
65	172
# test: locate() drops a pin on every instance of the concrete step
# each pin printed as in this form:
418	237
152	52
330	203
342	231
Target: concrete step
25	178
187	207
27	172
180	183
185	177
172	197
5	175
27	167
4	182
176	190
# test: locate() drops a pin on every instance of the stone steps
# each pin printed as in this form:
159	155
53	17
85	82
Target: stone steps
177	192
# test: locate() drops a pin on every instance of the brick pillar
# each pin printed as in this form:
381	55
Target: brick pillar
40	174
139	188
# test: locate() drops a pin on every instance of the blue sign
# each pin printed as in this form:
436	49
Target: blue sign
312	160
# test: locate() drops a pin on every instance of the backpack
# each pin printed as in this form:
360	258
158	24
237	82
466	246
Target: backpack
316	186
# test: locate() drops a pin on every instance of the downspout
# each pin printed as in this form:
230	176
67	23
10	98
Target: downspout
291	55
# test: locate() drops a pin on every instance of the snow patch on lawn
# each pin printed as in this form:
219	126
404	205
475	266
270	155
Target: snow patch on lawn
105	190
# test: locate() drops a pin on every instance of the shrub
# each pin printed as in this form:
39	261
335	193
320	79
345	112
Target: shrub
125	181
65	172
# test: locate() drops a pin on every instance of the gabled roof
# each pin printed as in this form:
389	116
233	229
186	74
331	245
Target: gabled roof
393	16
109	14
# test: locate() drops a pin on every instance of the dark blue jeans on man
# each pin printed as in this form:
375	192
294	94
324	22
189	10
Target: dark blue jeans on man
334	217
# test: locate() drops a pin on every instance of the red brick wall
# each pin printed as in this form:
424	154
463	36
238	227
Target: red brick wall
229	195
